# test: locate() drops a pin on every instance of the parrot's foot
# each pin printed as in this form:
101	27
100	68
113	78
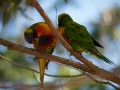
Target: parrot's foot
36	58
43	52
80	54
70	54
47	64
66	61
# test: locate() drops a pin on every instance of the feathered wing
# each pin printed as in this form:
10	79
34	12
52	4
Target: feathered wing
81	40
95	42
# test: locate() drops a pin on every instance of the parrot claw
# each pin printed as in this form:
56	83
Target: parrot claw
80	54
35	58
70	54
42	52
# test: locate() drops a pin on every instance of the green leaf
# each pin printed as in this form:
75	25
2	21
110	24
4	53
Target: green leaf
66	1
14	8
6	16
1	2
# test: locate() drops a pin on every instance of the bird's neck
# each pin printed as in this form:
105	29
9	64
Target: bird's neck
64	21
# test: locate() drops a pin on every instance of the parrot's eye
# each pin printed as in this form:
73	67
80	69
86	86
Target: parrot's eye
29	37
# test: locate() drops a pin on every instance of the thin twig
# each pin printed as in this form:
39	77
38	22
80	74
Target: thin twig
102	82
35	78
65	76
18	86
60	76
14	63
61	85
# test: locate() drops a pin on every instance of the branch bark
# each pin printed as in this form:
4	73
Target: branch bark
103	73
61	60
93	68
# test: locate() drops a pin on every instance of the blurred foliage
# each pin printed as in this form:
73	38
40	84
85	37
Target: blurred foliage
109	24
10	72
89	86
9	9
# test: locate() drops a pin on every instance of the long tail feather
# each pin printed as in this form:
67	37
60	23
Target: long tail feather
104	58
42	64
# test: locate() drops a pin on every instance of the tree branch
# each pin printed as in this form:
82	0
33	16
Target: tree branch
102	82
60	60
64	61
94	69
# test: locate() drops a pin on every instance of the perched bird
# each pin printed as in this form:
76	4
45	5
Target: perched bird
40	35
78	37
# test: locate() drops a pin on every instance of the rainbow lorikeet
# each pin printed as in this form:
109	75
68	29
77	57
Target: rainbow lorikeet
40	35
78	37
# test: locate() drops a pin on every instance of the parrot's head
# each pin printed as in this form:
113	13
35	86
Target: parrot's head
63	19
30	35
40	35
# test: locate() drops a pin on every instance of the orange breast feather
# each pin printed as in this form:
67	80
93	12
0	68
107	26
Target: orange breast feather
47	39
42	29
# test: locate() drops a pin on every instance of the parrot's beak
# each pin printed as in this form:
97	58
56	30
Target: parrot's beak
36	40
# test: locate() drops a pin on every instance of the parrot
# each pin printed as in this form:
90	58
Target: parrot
43	40
79	38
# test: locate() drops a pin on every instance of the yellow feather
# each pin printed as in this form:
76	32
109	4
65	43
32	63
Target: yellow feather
42	64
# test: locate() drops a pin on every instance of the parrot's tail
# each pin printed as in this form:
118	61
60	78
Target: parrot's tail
42	65
104	58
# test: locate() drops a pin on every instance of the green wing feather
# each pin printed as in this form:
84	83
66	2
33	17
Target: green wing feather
78	33
96	43
82	41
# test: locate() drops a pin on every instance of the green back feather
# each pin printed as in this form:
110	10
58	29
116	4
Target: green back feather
80	38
